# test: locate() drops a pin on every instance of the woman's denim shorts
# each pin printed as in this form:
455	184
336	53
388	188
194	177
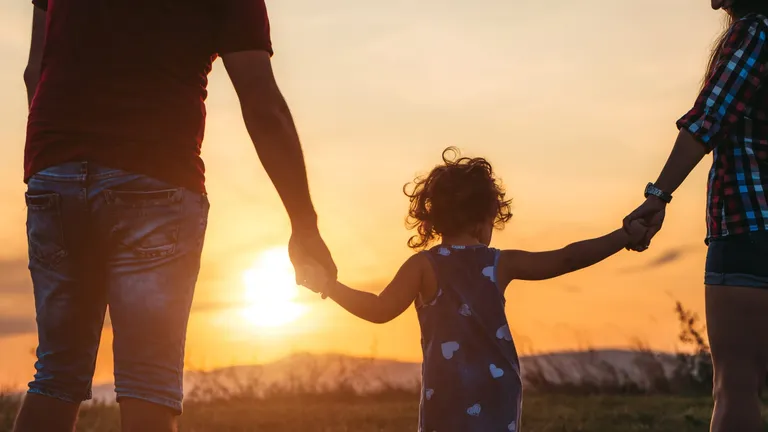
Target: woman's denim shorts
738	260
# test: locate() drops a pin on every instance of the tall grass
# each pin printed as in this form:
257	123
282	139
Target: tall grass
9	404
691	373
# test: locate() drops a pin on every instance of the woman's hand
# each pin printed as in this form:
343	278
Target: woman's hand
652	213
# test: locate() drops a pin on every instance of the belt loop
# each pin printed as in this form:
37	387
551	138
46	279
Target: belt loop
84	171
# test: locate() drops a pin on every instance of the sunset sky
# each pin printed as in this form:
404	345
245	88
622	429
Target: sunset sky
573	102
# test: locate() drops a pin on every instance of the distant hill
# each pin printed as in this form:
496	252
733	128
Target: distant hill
318	372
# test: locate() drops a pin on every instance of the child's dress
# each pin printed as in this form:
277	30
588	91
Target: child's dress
471	374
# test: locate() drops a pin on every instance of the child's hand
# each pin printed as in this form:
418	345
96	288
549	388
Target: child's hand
317	279
637	231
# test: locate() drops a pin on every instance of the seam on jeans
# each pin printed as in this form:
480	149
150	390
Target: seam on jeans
163	401
737	280
170	200
53	259
73	178
57	395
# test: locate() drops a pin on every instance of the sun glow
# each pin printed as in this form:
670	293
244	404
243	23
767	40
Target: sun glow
271	291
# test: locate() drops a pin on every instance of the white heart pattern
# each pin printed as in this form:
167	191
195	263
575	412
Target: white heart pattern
464	310
429	393
474	410
490	273
449	348
503	333
444	251
496	372
512	427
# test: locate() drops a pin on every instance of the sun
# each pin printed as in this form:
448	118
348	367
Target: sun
271	291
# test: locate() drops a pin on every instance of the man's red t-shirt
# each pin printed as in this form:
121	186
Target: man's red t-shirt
123	82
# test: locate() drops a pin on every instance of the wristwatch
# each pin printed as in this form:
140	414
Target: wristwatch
651	189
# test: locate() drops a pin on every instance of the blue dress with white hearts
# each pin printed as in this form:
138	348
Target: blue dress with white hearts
471	373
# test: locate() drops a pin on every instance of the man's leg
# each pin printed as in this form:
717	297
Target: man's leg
59	415
156	232
737	323
139	415
70	301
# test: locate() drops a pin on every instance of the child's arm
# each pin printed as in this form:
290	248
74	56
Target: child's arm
388	305
522	265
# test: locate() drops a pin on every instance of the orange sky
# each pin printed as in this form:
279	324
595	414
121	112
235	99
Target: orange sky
573	102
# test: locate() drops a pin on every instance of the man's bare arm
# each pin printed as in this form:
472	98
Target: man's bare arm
270	124
35	62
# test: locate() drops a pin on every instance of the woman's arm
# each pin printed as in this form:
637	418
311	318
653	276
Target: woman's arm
388	305
522	265
729	91
686	154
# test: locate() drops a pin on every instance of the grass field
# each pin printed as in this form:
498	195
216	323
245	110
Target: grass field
543	413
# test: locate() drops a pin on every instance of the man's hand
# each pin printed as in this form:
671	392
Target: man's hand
308	251
652	213
316	279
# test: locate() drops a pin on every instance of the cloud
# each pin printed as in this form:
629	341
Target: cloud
11	326
573	289
15	278
667	257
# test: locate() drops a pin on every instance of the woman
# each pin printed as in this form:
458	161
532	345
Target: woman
730	118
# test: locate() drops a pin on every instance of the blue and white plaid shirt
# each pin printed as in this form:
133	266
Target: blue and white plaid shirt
730	117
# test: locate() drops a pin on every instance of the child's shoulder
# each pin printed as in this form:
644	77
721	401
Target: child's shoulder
418	261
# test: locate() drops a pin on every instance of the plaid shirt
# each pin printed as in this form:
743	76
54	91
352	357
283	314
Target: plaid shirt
730	117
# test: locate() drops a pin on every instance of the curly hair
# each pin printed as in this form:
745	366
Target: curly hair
454	198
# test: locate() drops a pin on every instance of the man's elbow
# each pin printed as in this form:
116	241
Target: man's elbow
31	77
267	111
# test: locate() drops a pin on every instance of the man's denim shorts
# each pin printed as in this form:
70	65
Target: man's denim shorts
104	238
738	260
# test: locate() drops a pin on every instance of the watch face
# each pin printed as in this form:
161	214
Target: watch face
651	189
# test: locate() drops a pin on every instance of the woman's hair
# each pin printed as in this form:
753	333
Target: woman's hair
456	197
738	10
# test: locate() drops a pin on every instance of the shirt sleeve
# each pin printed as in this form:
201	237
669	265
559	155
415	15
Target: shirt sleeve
243	25
42	4
732	85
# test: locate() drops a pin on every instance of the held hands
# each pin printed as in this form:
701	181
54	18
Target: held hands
637	232
317	280
651	213
310	256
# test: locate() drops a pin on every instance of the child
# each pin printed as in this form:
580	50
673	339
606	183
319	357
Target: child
471	372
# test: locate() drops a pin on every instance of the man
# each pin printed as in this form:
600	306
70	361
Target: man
117	209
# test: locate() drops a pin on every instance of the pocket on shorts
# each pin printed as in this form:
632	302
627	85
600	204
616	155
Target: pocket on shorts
146	222
45	232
